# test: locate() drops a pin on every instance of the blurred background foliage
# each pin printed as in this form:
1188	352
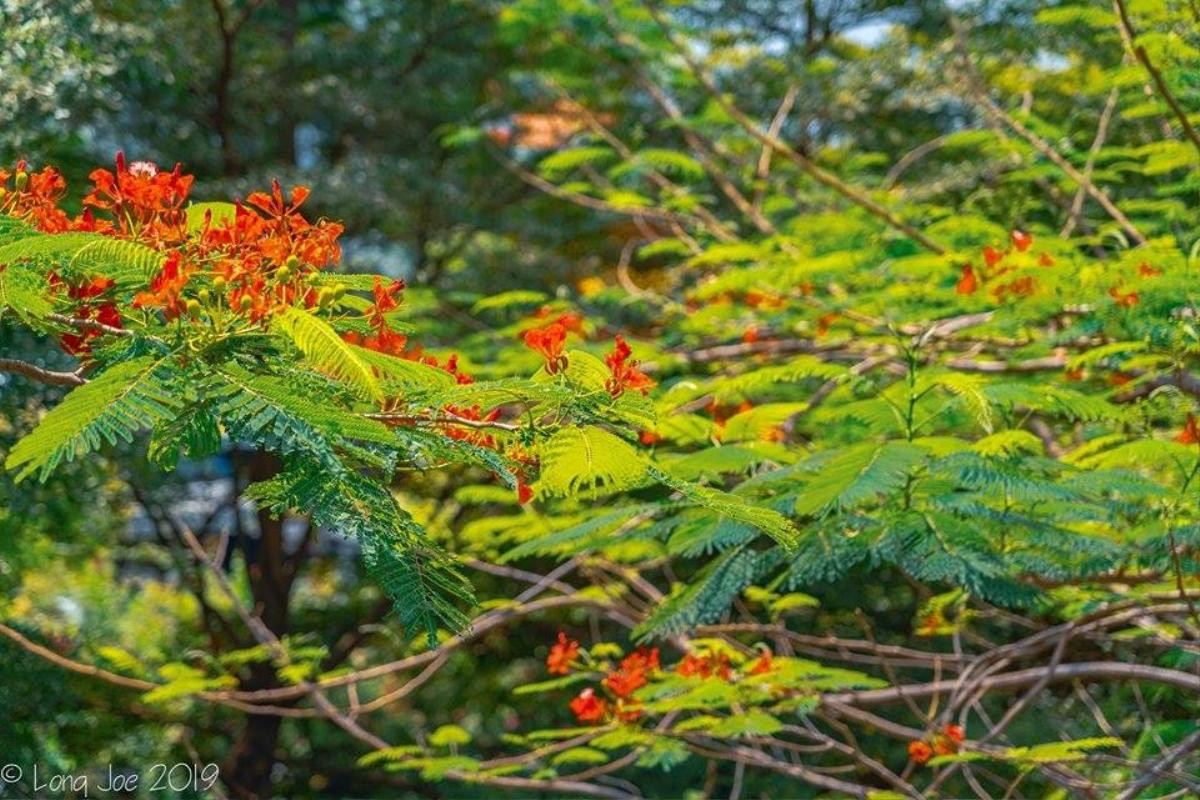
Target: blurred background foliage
421	125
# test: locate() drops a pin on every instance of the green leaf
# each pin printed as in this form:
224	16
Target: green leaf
112	407
327	350
575	460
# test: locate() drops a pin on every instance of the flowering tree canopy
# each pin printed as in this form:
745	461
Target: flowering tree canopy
837	435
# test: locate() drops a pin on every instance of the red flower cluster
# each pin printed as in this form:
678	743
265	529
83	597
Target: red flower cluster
146	203
1123	299
970	280
625	373
34	197
384	339
90	307
621	682
705	666
631	674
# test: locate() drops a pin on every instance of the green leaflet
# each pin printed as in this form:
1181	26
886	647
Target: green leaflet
264	405
125	399
199	213
575	460
708	596
127	263
734	507
23	291
858	474
423	582
325	349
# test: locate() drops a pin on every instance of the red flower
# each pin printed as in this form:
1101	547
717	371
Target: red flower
991	256
625	373
954	733
548	342
166	288
919	752
524	492
273	204
386	299
562	653
1147	271
572	322
1124	299
968	283
763	665
103	312
649	438
825	321
587	707
631	675
751	335
1190	433
1046	260
1021	240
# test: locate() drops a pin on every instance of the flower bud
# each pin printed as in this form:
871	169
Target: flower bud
193	307
339	292
284	274
325	297
219	284
244	302
205	296
21	180
292	263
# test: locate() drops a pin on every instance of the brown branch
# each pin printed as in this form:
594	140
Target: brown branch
40	374
981	98
819	174
1160	84
1094	670
1075	213
763	169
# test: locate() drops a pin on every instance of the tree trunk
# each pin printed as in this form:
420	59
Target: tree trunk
252	757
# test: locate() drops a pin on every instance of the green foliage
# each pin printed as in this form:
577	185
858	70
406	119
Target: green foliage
129	397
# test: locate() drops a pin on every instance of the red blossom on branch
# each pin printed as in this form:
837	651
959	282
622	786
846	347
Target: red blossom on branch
562	653
625	373
587	707
548	342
